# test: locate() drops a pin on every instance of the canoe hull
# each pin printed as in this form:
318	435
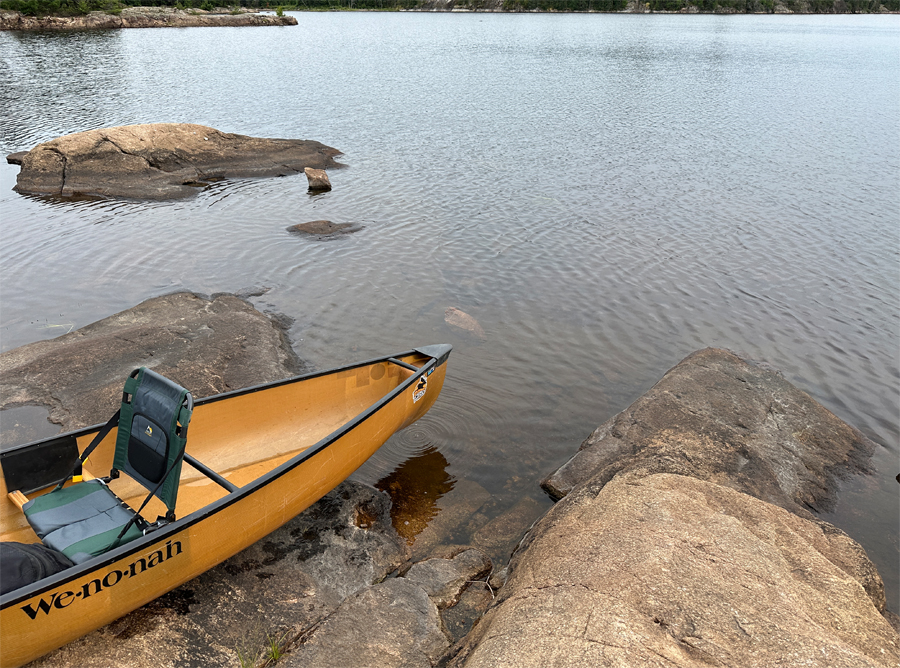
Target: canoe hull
142	571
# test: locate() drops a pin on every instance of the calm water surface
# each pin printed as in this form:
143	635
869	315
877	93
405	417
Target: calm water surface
604	194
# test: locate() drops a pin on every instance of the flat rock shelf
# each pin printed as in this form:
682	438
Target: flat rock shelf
158	161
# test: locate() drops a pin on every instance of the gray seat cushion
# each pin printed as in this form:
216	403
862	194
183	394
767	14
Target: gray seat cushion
81	521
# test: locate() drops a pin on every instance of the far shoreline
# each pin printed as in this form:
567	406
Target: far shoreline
144	17
238	16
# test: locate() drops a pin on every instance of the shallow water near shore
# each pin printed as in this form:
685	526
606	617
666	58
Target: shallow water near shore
604	194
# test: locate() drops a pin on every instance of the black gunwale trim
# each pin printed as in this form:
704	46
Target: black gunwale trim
225	395
55	581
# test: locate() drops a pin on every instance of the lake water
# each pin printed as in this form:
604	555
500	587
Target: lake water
603	193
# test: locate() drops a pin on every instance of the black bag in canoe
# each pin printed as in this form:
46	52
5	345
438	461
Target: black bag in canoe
23	563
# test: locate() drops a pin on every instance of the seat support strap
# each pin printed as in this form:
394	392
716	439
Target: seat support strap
76	471
146	501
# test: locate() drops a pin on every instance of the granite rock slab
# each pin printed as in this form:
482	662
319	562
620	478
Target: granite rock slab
159	161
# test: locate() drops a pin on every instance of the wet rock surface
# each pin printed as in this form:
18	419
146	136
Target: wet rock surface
403	621
669	570
159	161
141	17
473	602
720	418
208	345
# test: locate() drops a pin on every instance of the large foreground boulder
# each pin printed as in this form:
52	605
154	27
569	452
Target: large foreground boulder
208	345
685	537
159	161
667	570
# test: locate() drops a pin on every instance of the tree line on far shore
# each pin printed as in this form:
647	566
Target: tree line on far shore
80	7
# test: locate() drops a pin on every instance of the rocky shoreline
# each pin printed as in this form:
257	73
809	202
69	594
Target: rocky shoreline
168	17
685	534
142	17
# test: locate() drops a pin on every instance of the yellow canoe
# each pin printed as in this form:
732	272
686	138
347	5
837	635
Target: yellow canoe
255	458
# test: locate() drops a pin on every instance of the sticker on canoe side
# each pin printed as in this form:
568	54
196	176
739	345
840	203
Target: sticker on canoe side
419	389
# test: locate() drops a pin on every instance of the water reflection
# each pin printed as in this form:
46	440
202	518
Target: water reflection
415	487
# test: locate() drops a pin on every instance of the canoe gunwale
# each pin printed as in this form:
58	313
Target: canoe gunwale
159	536
244	390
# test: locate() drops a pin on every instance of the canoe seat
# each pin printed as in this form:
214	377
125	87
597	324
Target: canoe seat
83	520
87	519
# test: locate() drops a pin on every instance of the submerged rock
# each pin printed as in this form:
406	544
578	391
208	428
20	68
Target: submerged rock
324	229
505	530
456	509
207	345
456	318
159	161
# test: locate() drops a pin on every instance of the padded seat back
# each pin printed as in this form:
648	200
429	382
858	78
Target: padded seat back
152	433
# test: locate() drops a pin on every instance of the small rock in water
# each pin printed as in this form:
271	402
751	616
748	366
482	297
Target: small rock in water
456	318
318	179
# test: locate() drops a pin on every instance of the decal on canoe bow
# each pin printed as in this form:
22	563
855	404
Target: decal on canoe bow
419	389
110	579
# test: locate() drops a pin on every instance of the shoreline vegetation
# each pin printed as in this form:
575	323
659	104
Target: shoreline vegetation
212	12
68	15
